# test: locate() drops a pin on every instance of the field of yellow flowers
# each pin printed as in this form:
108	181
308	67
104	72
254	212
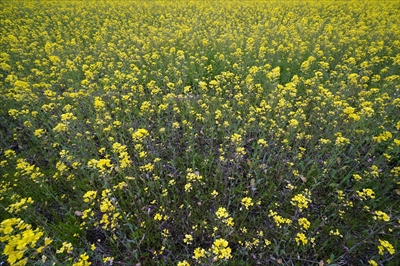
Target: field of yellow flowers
199	133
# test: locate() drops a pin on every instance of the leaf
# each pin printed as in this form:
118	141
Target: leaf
253	183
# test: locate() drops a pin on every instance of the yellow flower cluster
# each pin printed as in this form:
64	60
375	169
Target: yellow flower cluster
380	215
384	136
304	223
222	213
199	253
247	202
109	209
19	238
26	169
20	205
301	238
192	178
140	134
188	239
83	260
66	247
279	220
366	193
107	104
90	196
221	249
302	200
123	155
385	245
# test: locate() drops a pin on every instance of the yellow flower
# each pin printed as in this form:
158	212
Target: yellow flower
188	187
335	233
20	205
188	239
240	151
99	105
301	238
324	141
366	192
106	205
222	213
247	202
147	167
68	116
140	134
385	245
381	216
9	154
236	138
301	200
293	123
83	260
108	260
214	193
304	223
89	196
349	110
60	127
397	142
372	263
193	176
342	140
262	143
158	217
279	220
220	248
229	221
183	263
66	247
39	132
384	136
199	253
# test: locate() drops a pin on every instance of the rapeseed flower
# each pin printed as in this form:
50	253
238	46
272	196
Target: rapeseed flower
221	249
188	239
301	239
247	202
140	134
83	260
199	253
380	215
302	200
372	263
384	244
304	223
384	136
222	213
126	104
366	193
183	263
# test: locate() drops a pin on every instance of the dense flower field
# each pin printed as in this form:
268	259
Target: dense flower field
200	133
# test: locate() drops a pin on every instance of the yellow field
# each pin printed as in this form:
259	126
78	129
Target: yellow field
199	132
